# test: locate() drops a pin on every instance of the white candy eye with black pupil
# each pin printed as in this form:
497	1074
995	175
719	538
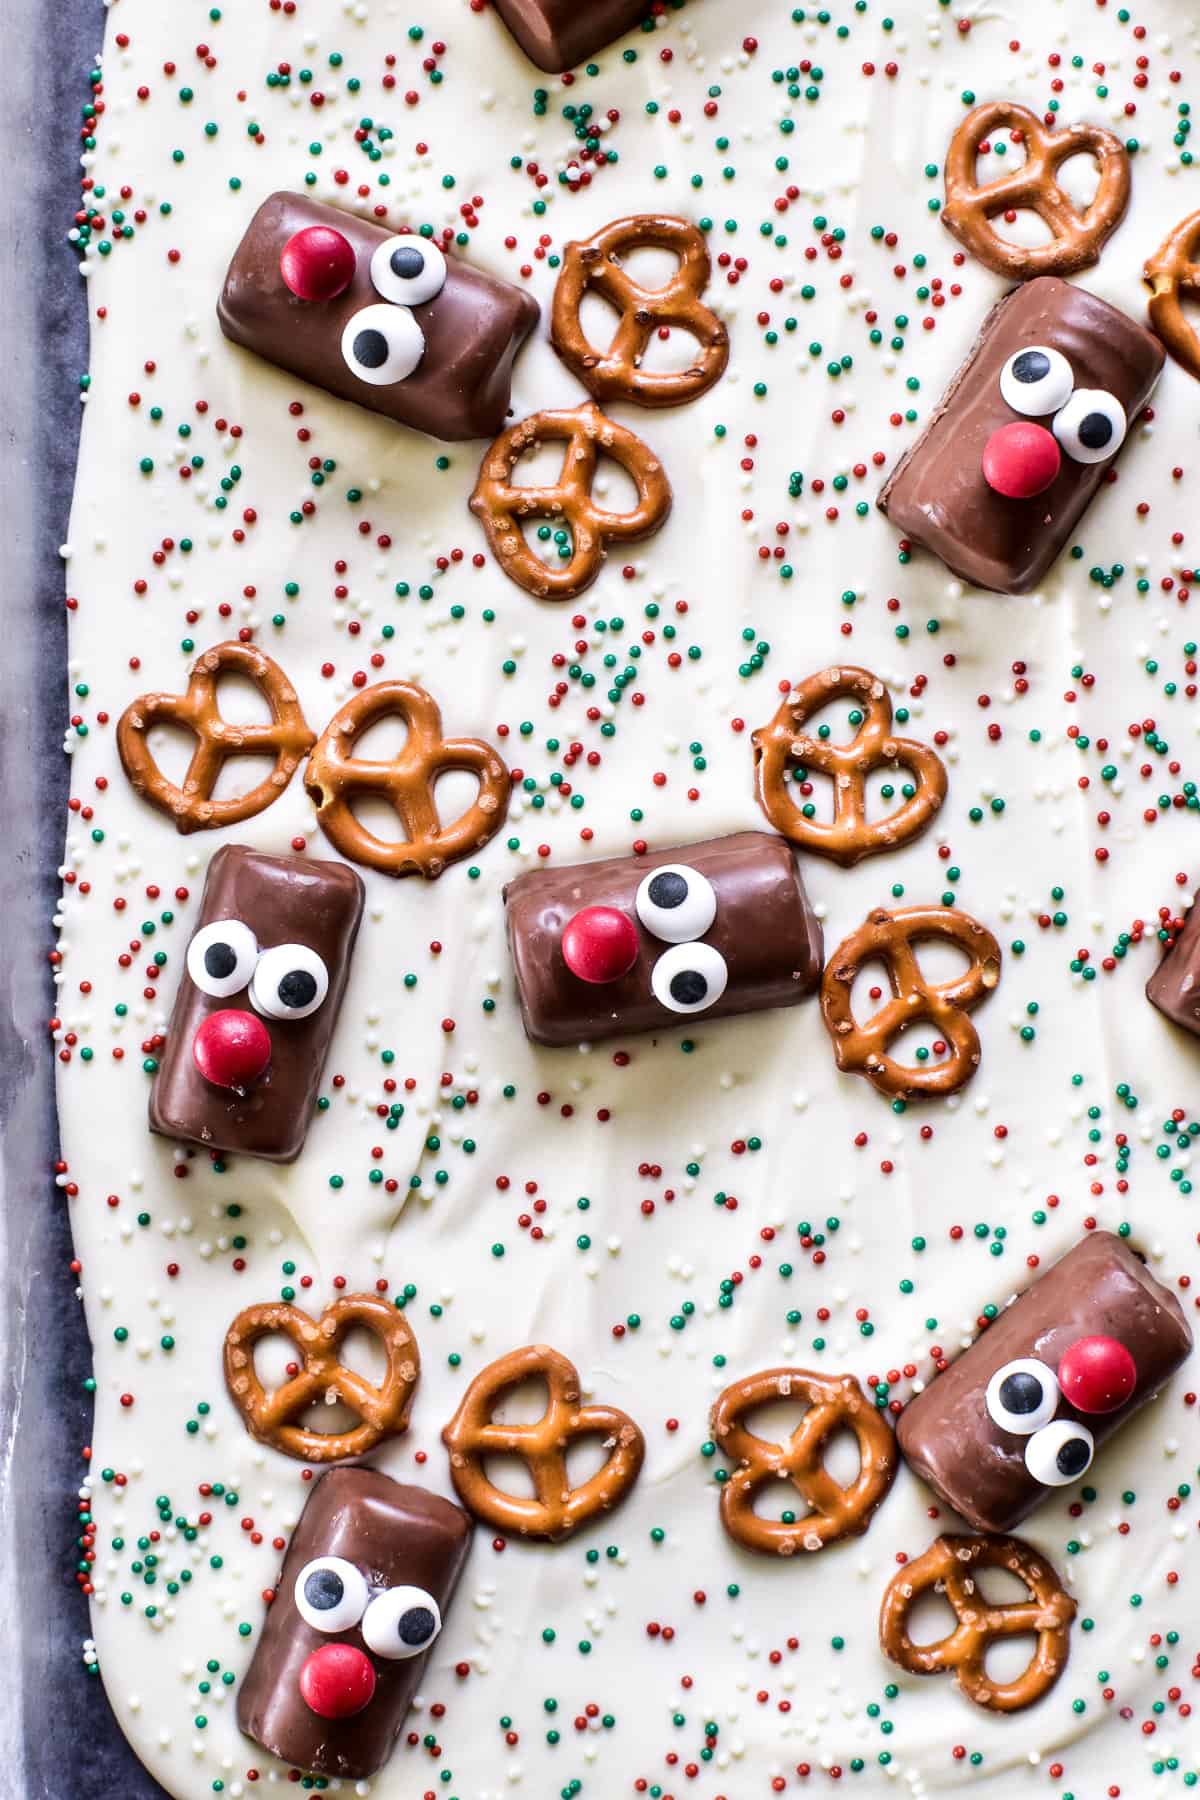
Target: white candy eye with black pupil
1060	1453
676	903
1036	381
689	978
289	982
330	1594
1091	426
382	344
1022	1396
402	1622
221	958
408	270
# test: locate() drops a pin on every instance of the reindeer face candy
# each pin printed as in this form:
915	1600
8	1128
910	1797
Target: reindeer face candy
644	943
1021	1413
266	970
379	317
370	1572
1024	435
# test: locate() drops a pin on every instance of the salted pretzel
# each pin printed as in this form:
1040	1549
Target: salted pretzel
617	373
834	1402
335	775
1172	272
949	1567
889	938
501	504
1076	238
784	747
272	1417
192	806
556	1509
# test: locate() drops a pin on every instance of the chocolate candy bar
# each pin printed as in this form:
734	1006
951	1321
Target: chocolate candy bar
369	1575
266	970
557	34
1174	986
643	943
1024	435
1020	1413
376	316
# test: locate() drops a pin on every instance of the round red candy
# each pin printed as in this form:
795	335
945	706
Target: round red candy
317	263
1097	1375
232	1048
1021	459
337	1681
600	944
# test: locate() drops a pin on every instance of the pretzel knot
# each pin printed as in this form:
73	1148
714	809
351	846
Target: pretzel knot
834	1402
556	1509
500	504
192	806
784	746
407	781
617	373
889	938
949	1567
270	1417
1077	238
1174	270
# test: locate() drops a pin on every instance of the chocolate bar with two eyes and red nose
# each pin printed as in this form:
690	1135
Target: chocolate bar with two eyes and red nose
557	34
368	1578
1020	1414
643	943
379	317
1174	987
1024	435
257	1004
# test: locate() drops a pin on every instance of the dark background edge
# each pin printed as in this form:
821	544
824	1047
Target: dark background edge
58	1730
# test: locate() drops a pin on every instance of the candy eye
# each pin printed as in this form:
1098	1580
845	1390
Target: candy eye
1022	1396
221	958
689	978
676	903
401	1623
1060	1453
290	982
330	1594
1036	381
1091	426
382	344
409	270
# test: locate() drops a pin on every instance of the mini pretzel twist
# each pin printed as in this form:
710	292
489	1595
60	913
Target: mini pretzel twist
407	781
500	504
1174	270
286	738
784	745
270	1417
617	373
949	1567
1077	238
889	938
834	1402
557	1509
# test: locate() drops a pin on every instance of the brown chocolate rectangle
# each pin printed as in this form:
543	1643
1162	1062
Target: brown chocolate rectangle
283	900
473	328
937	495
1098	1289
557	34
764	929
1174	986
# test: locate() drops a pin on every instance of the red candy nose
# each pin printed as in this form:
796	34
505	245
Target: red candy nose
600	944
317	263
1021	459
232	1048
337	1681
1097	1375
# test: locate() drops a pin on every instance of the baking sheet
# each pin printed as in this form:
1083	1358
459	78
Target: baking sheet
59	1738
